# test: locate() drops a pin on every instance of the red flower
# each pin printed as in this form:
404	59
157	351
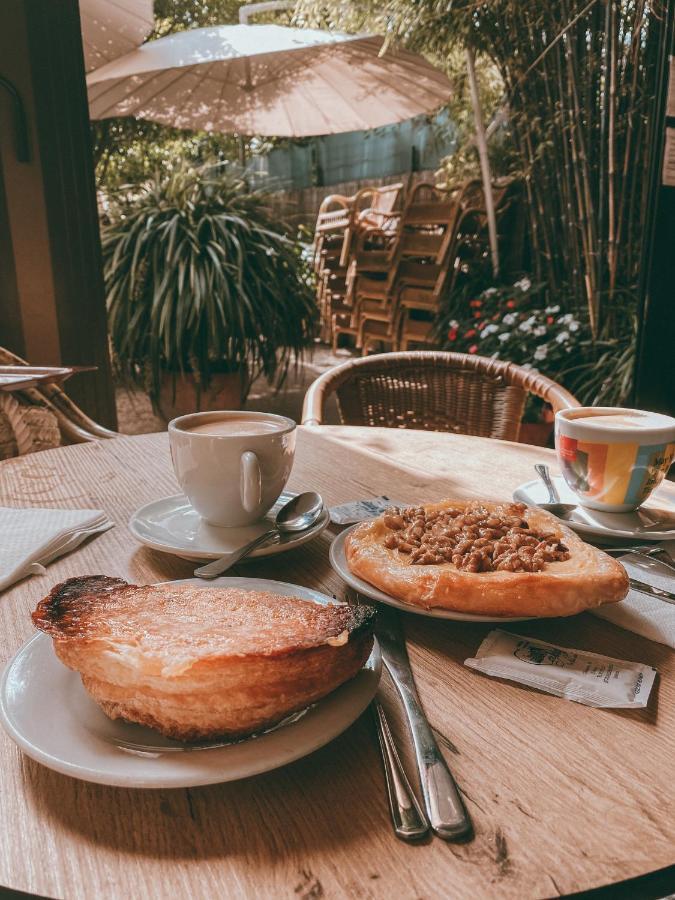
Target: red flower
475	302
470	333
495	317
549	320
477	314
473	348
452	334
480	325
510	303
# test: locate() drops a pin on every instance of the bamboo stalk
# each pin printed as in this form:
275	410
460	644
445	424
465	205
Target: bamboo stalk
481	143
611	163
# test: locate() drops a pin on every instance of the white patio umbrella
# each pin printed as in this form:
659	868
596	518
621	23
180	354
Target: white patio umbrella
267	80
111	28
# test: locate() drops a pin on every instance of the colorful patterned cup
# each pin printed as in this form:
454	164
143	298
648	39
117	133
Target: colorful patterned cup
613	458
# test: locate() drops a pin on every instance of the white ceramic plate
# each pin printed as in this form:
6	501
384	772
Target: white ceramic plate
338	561
172	526
47	712
655	521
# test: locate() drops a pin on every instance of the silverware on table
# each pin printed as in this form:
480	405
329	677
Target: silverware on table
652	590
444	807
555	505
410	823
658	554
300	513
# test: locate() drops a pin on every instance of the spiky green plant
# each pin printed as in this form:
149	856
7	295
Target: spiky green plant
200	279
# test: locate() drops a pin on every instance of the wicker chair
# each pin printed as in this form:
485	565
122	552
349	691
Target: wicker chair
434	391
42	417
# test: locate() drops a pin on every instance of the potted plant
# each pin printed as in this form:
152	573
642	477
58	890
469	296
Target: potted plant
204	290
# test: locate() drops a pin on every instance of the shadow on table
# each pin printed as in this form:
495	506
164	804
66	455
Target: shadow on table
300	808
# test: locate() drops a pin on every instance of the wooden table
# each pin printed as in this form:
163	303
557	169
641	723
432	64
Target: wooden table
563	797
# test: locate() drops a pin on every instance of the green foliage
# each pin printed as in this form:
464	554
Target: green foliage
513	322
179	15
199	278
127	150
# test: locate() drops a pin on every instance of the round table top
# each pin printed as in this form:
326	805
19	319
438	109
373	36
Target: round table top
563	797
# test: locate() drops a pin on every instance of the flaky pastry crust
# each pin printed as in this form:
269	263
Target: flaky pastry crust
199	663
562	588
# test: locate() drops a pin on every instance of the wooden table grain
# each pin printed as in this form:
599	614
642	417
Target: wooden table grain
563	797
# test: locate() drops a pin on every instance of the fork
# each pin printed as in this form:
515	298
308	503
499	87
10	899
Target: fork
659	554
410	823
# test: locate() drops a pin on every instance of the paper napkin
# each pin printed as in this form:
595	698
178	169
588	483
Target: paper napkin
644	615
32	538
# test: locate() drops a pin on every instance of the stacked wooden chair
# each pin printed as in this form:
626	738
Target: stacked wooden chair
398	275
339	221
383	273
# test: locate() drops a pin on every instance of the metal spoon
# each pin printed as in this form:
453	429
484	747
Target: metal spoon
555	506
298	514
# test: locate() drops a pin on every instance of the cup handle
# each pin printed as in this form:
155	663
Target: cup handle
250	482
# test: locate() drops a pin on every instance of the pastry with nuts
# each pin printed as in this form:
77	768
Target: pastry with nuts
483	558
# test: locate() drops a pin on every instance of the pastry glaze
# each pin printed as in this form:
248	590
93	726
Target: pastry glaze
198	663
588	578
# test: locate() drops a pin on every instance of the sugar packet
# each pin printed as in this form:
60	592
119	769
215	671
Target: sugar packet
359	510
577	675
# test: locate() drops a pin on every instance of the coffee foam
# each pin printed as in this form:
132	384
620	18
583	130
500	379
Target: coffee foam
233	427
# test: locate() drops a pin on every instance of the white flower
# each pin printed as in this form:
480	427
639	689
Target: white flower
539	331
550	310
529	367
454	323
489	329
526	326
524	284
566	319
489	292
504	336
510	319
573	325
541	352
563	337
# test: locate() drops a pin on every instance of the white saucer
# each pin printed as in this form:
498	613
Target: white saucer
648	523
338	561
47	712
172	526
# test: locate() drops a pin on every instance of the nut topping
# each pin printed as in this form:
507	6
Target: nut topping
474	539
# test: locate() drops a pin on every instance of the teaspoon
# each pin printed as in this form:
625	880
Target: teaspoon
555	506
298	514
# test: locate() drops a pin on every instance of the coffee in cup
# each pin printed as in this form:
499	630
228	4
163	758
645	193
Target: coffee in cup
612	458
232	465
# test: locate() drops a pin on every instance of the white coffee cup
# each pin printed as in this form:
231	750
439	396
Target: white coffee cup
232	465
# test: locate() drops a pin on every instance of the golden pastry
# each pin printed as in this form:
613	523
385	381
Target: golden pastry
197	663
483	558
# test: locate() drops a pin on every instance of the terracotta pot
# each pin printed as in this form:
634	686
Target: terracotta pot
536	433
224	392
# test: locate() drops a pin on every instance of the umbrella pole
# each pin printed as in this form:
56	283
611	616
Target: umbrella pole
241	144
481	144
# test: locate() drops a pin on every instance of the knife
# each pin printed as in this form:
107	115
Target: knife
445	810
652	591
